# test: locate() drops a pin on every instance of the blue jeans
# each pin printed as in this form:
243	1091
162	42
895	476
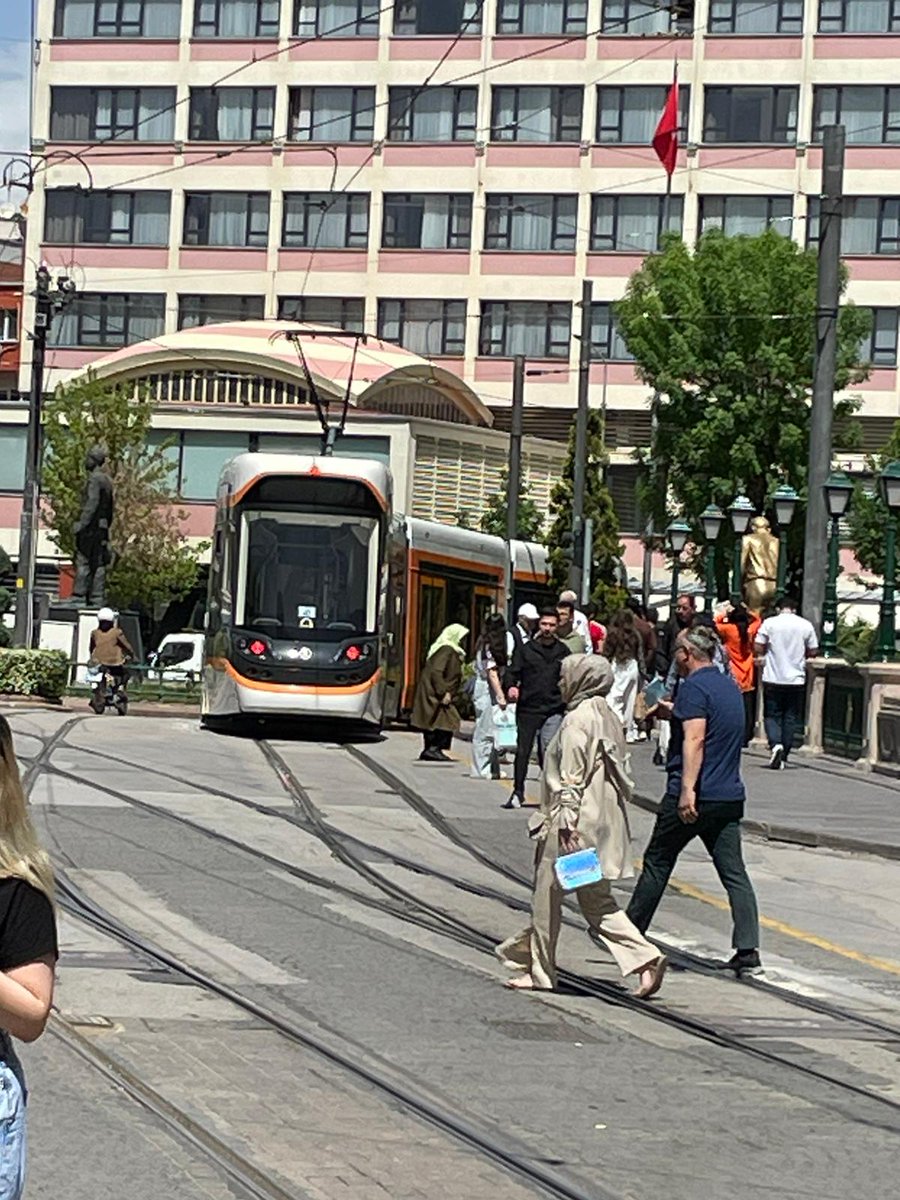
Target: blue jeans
12	1132
783	713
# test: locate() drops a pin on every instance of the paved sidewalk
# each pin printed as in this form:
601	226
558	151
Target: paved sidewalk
811	803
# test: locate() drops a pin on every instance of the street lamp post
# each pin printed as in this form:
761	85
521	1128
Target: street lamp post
741	512
712	519
784	502
889	485
838	491
678	533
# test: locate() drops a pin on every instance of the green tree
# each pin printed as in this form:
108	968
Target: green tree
530	525
868	513
606	591
725	337
152	562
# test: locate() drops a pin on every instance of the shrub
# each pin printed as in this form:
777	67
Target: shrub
34	673
855	639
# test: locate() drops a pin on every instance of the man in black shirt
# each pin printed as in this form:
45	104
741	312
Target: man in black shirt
534	676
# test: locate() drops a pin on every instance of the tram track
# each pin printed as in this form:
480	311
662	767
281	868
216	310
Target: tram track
406	906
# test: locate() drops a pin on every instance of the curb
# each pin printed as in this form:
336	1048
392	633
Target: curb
796	837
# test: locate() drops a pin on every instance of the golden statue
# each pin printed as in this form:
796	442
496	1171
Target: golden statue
759	566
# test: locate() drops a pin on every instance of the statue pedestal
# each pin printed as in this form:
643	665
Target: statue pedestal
69	629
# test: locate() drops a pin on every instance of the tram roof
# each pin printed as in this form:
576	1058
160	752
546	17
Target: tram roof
240	472
262	348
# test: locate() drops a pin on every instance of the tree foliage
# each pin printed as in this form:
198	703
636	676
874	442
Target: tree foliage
606	591
152	562
6	598
725	336
868	513
530	524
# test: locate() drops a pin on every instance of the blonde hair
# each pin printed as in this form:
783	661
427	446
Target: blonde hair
21	854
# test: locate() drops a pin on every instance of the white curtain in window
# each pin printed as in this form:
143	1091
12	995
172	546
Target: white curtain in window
432	116
78	19
332	114
435	219
751	16
156	115
423	328
638	223
862	113
535	122
527	330
64	330
234	118
336	16
641	110
146	318
531	223
859	231
151	219
327	227
162	18
745	215
103	112
265	112
541	17
867	16
237	18
645	16
227	219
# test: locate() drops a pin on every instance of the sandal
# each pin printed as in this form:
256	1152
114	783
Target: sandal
656	970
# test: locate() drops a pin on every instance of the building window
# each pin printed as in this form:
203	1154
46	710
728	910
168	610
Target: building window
203	455
530	327
427	222
213	310
117	18
606	341
109	319
326	220
751	16
870	225
336	18
425	17
9	324
331	114
226	219
426	327
73	217
536	114
232	114
750	114
531	223
343	313
747	215
236	18
870	115
629	115
880	347
542	16
859	16
632	223
646	16
80	114
435	114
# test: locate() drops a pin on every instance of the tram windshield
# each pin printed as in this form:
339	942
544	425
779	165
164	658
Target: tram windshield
303	573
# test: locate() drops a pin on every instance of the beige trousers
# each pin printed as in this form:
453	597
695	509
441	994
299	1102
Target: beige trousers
534	949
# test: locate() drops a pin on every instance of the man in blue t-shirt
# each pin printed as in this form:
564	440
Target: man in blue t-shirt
704	795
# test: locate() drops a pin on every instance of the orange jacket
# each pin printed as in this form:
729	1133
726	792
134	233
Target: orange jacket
741	660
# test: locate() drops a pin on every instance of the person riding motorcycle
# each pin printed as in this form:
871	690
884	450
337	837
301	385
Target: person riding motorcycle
109	650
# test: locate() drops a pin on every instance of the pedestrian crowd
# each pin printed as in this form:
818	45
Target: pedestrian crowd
578	693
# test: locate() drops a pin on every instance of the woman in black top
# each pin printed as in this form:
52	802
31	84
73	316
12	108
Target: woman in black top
28	952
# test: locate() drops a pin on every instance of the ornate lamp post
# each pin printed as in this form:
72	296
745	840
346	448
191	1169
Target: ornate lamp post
838	493
741	512
677	533
889	485
784	502
712	519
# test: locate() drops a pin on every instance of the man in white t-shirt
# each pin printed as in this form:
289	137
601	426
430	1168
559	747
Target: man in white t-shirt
784	643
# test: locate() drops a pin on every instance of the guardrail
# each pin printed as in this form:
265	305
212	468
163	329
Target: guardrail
145	682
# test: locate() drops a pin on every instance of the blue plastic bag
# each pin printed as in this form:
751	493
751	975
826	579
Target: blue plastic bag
578	869
506	735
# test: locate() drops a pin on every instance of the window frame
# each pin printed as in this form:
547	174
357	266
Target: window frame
254	238
255	128
363	27
819	90
598	197
450	347
730	139
59	22
684	106
347	322
504	206
778	28
888	247
258	36
209	299
893	23
129	301
889	354
9	317
558	117
357	110
613	336
621	26
397	127
567	25
471	28
770	201
90	223
92	95
350	215
564	308
459	213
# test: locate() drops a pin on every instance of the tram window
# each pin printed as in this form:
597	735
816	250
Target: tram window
311	575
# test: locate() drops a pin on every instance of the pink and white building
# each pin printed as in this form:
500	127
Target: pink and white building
285	158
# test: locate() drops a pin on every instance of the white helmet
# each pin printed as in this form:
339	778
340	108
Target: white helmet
106	614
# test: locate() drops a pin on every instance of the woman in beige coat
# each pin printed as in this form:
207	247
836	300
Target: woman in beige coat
585	787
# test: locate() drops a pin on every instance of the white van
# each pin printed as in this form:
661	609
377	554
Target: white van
178	658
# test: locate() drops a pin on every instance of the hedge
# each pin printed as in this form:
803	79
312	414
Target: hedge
34	673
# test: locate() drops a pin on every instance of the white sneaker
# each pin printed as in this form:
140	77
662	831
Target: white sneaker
515	801
776	758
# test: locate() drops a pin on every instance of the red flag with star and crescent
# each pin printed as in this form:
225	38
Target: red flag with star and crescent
665	139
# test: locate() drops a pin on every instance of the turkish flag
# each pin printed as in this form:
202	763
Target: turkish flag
665	139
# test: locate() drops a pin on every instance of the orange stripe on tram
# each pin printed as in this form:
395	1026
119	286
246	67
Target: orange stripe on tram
292	689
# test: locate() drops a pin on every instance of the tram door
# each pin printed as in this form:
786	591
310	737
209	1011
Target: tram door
432	612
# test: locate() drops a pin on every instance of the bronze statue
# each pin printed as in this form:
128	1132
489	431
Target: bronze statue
92	553
759	566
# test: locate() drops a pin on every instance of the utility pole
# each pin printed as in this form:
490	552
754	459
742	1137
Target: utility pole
815	555
514	473
46	303
581	421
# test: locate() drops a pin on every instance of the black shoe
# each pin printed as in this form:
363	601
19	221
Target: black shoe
744	962
776	758
431	756
443	756
515	801
657	757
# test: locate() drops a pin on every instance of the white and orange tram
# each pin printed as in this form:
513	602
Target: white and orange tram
323	602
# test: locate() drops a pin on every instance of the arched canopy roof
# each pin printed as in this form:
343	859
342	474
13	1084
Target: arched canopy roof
262	348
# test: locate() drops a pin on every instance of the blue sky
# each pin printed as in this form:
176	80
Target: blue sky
15	34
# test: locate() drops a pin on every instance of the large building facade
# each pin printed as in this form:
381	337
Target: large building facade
445	173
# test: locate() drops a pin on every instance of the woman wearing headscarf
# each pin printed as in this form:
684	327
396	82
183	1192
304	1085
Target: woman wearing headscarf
585	787
434	711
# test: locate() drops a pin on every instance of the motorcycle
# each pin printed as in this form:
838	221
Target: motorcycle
108	690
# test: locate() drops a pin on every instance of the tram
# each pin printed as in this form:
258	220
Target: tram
323	602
